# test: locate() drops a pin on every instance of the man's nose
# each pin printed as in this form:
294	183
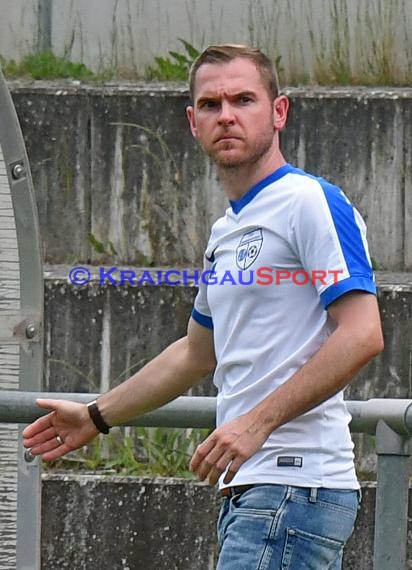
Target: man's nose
226	115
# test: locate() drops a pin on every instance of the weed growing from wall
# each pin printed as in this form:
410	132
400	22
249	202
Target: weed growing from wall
139	451
175	67
45	65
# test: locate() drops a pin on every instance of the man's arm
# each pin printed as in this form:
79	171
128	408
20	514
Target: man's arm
171	373
356	340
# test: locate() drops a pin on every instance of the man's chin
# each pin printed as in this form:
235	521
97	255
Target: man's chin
229	164
228	160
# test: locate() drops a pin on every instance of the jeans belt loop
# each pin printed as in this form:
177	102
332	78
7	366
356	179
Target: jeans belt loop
313	495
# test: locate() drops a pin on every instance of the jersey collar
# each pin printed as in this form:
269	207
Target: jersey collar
238	205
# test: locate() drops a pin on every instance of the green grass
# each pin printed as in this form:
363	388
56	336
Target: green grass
45	65
136	452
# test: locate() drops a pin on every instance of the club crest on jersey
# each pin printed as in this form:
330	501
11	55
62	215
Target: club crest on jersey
249	248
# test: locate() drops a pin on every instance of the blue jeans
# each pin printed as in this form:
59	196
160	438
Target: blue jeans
278	527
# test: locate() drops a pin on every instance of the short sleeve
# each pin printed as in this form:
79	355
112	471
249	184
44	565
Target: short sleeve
329	236
201	311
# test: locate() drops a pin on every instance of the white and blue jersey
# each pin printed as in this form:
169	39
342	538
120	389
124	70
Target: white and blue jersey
279	256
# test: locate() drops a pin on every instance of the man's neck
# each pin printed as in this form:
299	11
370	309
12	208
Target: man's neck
239	180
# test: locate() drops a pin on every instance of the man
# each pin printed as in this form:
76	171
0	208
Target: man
283	346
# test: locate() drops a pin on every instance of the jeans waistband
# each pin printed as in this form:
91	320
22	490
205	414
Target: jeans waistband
237	490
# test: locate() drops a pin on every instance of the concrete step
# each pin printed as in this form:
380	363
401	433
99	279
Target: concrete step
97	335
148	512
118	175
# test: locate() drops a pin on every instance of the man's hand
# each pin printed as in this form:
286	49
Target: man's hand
65	429
167	376
227	447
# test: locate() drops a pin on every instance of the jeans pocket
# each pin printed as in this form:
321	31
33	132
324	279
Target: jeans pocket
307	551
246	539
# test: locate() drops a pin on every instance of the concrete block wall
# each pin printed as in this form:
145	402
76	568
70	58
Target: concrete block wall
94	333
119	162
116	523
127	523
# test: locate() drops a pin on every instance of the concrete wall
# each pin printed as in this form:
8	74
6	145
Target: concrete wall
125	523
120	163
352	36
119	523
97	335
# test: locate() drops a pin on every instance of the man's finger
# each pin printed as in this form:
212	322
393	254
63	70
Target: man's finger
39	437
219	468
233	469
56	453
201	453
209	463
45	447
47	403
39	425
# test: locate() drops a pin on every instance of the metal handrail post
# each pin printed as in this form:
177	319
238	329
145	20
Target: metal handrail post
392	493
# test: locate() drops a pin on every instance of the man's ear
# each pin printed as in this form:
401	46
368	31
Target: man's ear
280	112
191	118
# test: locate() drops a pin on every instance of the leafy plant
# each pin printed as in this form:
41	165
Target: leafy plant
100	247
45	65
175	67
136	451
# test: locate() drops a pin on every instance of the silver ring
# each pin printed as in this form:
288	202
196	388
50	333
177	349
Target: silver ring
59	440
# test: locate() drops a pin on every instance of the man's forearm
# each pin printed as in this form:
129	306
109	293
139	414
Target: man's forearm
164	378
325	374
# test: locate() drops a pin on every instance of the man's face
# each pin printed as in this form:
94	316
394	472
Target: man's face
232	116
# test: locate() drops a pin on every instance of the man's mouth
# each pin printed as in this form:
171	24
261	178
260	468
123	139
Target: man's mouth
227	138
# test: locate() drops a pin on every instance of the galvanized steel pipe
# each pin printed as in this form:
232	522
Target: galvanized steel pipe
200	411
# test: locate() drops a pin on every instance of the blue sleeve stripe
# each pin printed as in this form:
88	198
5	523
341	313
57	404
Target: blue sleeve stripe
345	286
348	231
203	320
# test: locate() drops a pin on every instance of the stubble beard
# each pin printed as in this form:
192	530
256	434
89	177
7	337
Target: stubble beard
250	158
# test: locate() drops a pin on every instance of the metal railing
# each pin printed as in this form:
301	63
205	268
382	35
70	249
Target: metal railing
21	339
389	419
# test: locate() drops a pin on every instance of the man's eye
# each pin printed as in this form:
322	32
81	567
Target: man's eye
245	99
208	104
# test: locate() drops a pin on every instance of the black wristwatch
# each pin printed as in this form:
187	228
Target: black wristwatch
97	417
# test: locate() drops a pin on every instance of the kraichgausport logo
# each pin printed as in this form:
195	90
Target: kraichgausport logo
188	277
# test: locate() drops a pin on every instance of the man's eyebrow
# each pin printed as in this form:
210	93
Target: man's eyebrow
244	94
206	98
214	97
